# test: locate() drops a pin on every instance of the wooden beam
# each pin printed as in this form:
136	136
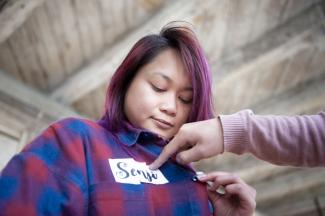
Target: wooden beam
256	61
281	42
258	213
14	14
261	172
99	71
32	98
290	184
304	204
7	149
306	98
9	131
249	168
251	66
14	118
19	123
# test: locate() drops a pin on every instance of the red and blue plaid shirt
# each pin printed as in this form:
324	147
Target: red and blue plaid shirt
65	171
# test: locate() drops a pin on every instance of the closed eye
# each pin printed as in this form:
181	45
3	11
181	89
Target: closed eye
155	88
185	101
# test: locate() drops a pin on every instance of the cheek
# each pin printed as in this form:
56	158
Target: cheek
184	114
146	100
140	100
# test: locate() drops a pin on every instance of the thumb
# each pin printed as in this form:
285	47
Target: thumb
191	155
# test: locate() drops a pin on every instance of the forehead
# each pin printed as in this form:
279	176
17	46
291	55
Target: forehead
167	65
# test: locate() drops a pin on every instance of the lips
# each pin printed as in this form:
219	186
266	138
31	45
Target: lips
162	123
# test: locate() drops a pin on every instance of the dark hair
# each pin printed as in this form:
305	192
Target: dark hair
185	42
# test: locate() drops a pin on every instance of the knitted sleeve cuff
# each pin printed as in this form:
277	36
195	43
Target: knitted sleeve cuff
234	133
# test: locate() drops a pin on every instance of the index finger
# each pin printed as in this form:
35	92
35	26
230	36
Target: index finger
171	148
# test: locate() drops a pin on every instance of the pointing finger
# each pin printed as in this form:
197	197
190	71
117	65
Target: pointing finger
171	148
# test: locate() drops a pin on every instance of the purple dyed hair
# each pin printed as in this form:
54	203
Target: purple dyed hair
185	42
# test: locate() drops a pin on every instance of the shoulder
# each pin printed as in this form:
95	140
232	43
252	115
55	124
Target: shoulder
66	135
74	126
64	131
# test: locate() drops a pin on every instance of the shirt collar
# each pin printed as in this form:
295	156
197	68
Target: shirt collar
130	135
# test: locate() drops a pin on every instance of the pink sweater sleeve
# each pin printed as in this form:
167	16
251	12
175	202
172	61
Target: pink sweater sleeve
282	140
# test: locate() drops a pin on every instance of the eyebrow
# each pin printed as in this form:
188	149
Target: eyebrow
168	79
163	75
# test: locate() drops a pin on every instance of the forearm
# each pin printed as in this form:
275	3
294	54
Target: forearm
296	140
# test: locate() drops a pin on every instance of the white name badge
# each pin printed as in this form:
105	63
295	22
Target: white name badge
127	170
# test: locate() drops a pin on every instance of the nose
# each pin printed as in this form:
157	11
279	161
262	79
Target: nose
169	105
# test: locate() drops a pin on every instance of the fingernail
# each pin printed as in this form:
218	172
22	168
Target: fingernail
221	190
178	159
200	175
210	186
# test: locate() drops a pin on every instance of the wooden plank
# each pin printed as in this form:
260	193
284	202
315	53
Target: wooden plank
93	103
318	63
258	213
14	14
287	185
67	38
7	149
249	168
266	83
45	49
86	105
18	125
295	7
240	20
303	204
247	79
276	79
299	204
303	99
107	22
33	98
212	26
138	12
88	25
245	72
270	46
297	71
100	70
14	120
30	59
262	172
266	17
228	162
24	58
9	131
100	101
7	61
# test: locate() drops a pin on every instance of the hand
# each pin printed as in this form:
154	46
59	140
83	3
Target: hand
239	197
196	140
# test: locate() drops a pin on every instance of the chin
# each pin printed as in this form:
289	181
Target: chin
163	135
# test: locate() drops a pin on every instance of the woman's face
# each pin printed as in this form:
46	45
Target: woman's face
159	98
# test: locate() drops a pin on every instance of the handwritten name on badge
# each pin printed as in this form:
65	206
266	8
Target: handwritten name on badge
127	170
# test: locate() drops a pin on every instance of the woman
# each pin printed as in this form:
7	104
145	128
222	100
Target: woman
80	167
